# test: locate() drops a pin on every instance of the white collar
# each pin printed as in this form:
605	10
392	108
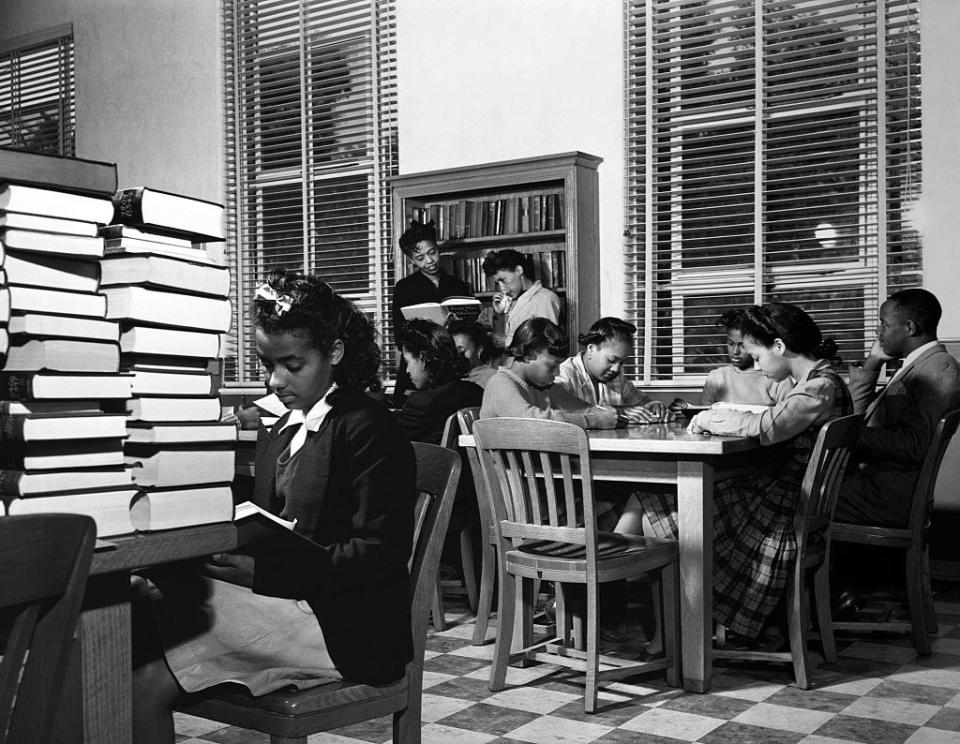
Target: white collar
314	417
914	355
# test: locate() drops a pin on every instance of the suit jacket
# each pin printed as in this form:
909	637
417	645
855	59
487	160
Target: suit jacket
425	412
356	503
899	423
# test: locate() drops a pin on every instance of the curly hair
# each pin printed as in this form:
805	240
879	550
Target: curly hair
731	319
434	345
323	316
417	232
608	329
535	335
798	331
508	259
477	334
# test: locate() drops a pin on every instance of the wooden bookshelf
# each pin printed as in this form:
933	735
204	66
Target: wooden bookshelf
546	207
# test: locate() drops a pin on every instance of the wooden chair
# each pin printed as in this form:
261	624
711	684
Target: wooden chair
289	717
543	476
45	561
812	524
914	540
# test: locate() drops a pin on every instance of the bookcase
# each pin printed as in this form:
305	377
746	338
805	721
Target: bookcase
546	207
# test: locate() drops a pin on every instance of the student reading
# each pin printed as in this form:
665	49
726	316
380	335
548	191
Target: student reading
339	465
429	283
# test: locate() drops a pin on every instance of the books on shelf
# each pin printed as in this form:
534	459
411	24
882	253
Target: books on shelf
461	308
53	202
64	326
28	482
52	386
180	465
549	266
173	409
165	509
164	271
498	216
36	300
143	305
79	175
139	432
146	382
20	221
55	426
56	455
163	212
48	242
63	355
167	341
109	509
44	271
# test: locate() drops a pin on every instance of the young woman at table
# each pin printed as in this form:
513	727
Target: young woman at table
340	467
594	375
754	543
474	342
436	367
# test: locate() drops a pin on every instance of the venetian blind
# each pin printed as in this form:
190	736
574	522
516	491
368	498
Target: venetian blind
773	155
37	92
311	139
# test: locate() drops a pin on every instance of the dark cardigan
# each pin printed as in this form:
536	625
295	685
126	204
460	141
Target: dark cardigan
425	412
358	506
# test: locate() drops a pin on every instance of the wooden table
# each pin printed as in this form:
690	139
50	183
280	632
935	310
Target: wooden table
666	454
96	699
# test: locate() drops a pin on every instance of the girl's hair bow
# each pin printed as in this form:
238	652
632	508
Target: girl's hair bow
282	303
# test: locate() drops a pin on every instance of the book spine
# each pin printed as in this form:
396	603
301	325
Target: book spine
10	481
11	429
128	206
16	386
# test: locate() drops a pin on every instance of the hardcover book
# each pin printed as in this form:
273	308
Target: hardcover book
167	308
52	386
164	271
258	527
41	223
461	308
55	203
165	509
91	177
40	325
57	426
174	409
29	482
56	454
63	355
163	212
167	341
180	465
139	432
36	300
109	509
41	270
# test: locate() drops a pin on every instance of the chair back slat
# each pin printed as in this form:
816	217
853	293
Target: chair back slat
923	496
550	488
571	490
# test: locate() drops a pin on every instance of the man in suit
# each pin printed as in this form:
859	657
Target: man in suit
898	420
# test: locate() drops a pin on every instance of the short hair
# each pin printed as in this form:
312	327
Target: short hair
731	319
416	233
789	323
477	334
434	345
920	306
307	306
608	329
508	259
535	335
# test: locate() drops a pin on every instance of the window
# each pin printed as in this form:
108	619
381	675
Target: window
37	92
773	154
311	139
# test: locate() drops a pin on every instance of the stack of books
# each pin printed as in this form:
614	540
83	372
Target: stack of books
171	300
61	449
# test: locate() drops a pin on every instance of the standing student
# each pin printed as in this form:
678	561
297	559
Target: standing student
519	296
429	283
338	465
754	541
595	375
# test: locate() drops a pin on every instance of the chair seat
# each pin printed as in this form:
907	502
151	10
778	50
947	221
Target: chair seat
616	553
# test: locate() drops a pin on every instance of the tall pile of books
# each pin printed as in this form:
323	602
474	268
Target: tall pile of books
171	299
59	366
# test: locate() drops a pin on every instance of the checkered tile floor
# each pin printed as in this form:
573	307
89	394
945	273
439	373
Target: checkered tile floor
880	692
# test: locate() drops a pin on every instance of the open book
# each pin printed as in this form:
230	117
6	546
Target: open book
461	308
256	525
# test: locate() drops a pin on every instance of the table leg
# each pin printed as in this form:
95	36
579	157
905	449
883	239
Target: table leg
695	520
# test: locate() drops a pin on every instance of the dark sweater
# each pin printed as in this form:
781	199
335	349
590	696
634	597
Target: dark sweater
425	412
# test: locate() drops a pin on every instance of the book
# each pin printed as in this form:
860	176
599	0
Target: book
63	355
48	242
139	432
4	302
166	364
167	308
271	405
41	270
56	455
255	525
119	231
56	426
462	308
180	465
146	382
61	407
40	325
137	246
174	409
109	509
165	509
52	386
36	300
163	212
38	222
166	341
164	271
79	175
27	482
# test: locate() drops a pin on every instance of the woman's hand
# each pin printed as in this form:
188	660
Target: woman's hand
653	412
678	405
501	302
231	567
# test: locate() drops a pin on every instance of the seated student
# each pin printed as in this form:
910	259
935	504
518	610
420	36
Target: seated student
436	367
594	375
473	341
524	386
429	283
739	381
519	295
340	466
754	542
899	420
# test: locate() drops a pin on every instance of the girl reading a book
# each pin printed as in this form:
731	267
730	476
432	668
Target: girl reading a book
338	466
436	368
429	283
474	342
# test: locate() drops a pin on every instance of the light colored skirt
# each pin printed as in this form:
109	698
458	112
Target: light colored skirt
264	643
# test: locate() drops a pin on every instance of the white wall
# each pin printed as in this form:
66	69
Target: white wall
488	80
